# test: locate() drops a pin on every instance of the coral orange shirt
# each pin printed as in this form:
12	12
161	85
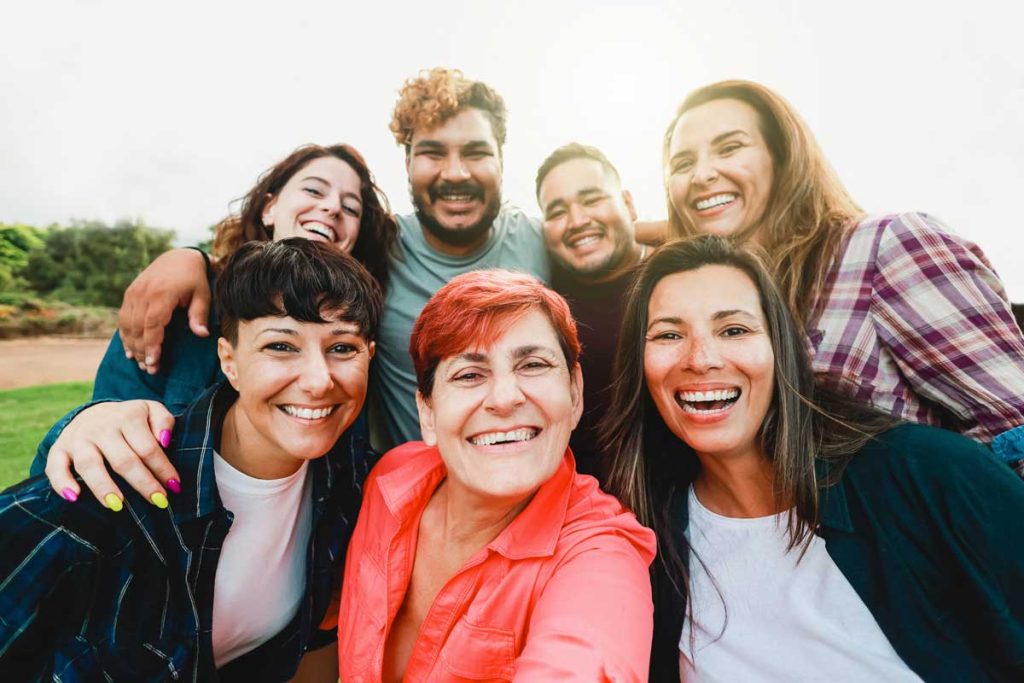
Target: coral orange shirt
562	594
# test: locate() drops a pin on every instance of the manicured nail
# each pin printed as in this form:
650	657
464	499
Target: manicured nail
159	499
69	494
128	354
149	360
113	502
165	437
174	485
142	366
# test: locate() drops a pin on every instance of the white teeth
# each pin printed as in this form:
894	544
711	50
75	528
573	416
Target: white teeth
716	200
308	413
687	408
496	437
320	229
457	197
589	239
717	395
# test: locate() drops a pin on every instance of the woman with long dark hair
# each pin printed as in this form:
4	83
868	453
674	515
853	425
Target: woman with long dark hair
801	535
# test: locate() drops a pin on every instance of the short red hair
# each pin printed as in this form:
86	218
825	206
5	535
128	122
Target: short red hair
473	309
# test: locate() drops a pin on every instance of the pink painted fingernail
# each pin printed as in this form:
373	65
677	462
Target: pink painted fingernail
165	437
69	494
174	485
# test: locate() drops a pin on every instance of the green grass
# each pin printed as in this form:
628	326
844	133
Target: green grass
25	416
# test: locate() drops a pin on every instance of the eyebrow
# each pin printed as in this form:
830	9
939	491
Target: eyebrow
336	332
517	353
717	315
437	145
714	141
582	194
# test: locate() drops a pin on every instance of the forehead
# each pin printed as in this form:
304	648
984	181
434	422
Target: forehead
704	122
331	169
511	332
468	125
335	324
574	175
697	294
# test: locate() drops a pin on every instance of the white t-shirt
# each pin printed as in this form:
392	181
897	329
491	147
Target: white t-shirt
261	574
783	620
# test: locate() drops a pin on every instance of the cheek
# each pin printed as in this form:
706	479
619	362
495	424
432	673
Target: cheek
678	187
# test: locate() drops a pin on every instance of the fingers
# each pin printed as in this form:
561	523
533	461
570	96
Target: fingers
156	318
89	464
199	312
58	471
161	423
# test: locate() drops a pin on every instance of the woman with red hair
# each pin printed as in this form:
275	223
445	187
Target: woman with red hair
472	546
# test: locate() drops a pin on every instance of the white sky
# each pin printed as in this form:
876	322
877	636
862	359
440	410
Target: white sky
167	112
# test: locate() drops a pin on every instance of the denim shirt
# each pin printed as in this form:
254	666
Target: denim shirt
86	593
926	525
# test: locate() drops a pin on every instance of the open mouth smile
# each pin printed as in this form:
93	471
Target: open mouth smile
307	413
581	240
707	402
318	228
502	438
714	201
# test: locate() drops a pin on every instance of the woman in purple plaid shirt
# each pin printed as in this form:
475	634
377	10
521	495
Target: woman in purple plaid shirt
899	312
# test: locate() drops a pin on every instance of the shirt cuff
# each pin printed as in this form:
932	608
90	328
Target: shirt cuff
1009	445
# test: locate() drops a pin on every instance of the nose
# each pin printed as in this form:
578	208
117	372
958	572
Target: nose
705	172
578	217
315	376
330	203
505	395
702	355
454	170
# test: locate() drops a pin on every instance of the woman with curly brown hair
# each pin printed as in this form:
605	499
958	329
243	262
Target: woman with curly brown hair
320	193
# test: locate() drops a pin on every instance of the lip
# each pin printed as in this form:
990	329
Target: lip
305	420
707	418
509	447
593	237
307	225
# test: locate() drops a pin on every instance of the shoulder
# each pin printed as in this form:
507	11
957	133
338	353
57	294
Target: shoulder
913	233
595	520
411	460
929	461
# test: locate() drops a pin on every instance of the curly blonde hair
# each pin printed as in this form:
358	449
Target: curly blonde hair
437	95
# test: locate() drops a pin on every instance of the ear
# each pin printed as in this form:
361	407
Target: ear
266	216
226	353
427	425
627	199
576	393
371	349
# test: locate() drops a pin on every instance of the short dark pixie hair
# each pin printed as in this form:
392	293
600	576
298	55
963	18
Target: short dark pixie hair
570	151
299	278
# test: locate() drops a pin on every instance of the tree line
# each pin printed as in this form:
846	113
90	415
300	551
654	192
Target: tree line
86	263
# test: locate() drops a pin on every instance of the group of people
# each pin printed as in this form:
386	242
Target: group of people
719	447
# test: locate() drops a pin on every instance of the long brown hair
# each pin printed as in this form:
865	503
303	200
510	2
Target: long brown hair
378	231
809	209
650	464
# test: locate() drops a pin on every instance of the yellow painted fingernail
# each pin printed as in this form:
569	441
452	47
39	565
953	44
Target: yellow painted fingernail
159	499
113	502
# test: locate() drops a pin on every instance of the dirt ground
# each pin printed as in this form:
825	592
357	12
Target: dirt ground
45	360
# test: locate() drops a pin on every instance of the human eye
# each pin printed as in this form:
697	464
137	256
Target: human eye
279	347
343	349
533	366
555	214
730	147
664	336
467	376
682	165
734	331
313	191
352	210
594	200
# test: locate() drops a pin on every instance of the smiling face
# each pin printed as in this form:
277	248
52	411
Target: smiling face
320	202
719	173
708	360
588	219
455	180
501	416
300	386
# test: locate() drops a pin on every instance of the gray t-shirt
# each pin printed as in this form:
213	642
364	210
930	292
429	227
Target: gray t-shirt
515	243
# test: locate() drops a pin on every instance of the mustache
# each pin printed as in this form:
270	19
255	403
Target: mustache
471	189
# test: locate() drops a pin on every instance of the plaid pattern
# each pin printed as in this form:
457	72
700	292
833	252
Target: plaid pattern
91	595
916	322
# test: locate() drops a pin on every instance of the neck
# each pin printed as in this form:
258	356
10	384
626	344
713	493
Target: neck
241	448
471	520
740	486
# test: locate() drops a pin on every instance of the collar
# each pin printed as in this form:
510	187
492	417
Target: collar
196	436
533	533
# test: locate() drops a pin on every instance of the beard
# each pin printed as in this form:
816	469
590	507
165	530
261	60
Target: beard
621	253
458	237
